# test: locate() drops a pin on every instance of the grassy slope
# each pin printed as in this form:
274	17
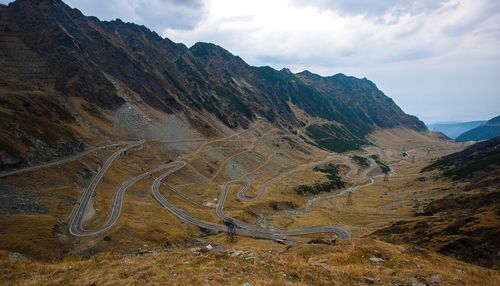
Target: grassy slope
144	222
345	264
474	161
466	224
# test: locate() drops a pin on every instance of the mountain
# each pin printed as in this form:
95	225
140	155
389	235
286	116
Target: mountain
489	129
68	81
466	222
480	158
453	130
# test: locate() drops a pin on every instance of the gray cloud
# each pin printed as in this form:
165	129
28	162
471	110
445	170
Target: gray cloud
180	14
376	8
489	9
410	54
155	14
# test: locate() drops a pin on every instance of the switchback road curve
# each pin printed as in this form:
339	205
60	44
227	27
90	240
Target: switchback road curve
340	232
76	225
61	161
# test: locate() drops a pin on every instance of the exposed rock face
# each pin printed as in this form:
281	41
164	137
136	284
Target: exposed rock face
51	53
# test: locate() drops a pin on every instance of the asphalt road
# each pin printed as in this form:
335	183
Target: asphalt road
339	231
263	190
76	227
183	215
116	205
76	224
58	162
86	152
246	229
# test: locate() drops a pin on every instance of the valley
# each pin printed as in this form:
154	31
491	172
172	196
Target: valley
106	201
129	159
142	201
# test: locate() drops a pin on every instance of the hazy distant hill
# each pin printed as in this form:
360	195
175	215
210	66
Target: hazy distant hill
485	131
453	130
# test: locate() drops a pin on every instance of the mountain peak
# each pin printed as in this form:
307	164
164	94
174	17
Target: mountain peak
203	49
308	73
494	121
286	70
487	130
38	3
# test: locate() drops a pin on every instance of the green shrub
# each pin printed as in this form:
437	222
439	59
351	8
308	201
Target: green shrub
362	161
334	182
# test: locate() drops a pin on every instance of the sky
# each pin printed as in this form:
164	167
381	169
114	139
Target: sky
438	59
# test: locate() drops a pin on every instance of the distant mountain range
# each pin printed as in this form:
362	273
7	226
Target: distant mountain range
487	130
454	129
68	81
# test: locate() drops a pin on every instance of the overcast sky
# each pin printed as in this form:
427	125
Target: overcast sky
439	60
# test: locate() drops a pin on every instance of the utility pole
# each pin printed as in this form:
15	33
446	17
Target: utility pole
349	199
231	230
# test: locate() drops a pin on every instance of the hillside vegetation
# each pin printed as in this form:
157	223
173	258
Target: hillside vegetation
334	182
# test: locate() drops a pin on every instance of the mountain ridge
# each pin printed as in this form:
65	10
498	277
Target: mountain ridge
454	129
487	130
62	55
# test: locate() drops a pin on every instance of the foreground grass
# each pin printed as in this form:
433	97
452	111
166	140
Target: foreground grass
344	264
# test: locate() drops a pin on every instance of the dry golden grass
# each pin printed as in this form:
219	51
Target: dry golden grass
144	223
264	264
376	205
32	235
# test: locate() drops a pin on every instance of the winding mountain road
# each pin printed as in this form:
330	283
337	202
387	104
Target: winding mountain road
61	161
183	215
76	227
263	190
340	232
76	224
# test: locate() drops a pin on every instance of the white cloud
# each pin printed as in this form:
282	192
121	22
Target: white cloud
278	32
377	8
155	14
